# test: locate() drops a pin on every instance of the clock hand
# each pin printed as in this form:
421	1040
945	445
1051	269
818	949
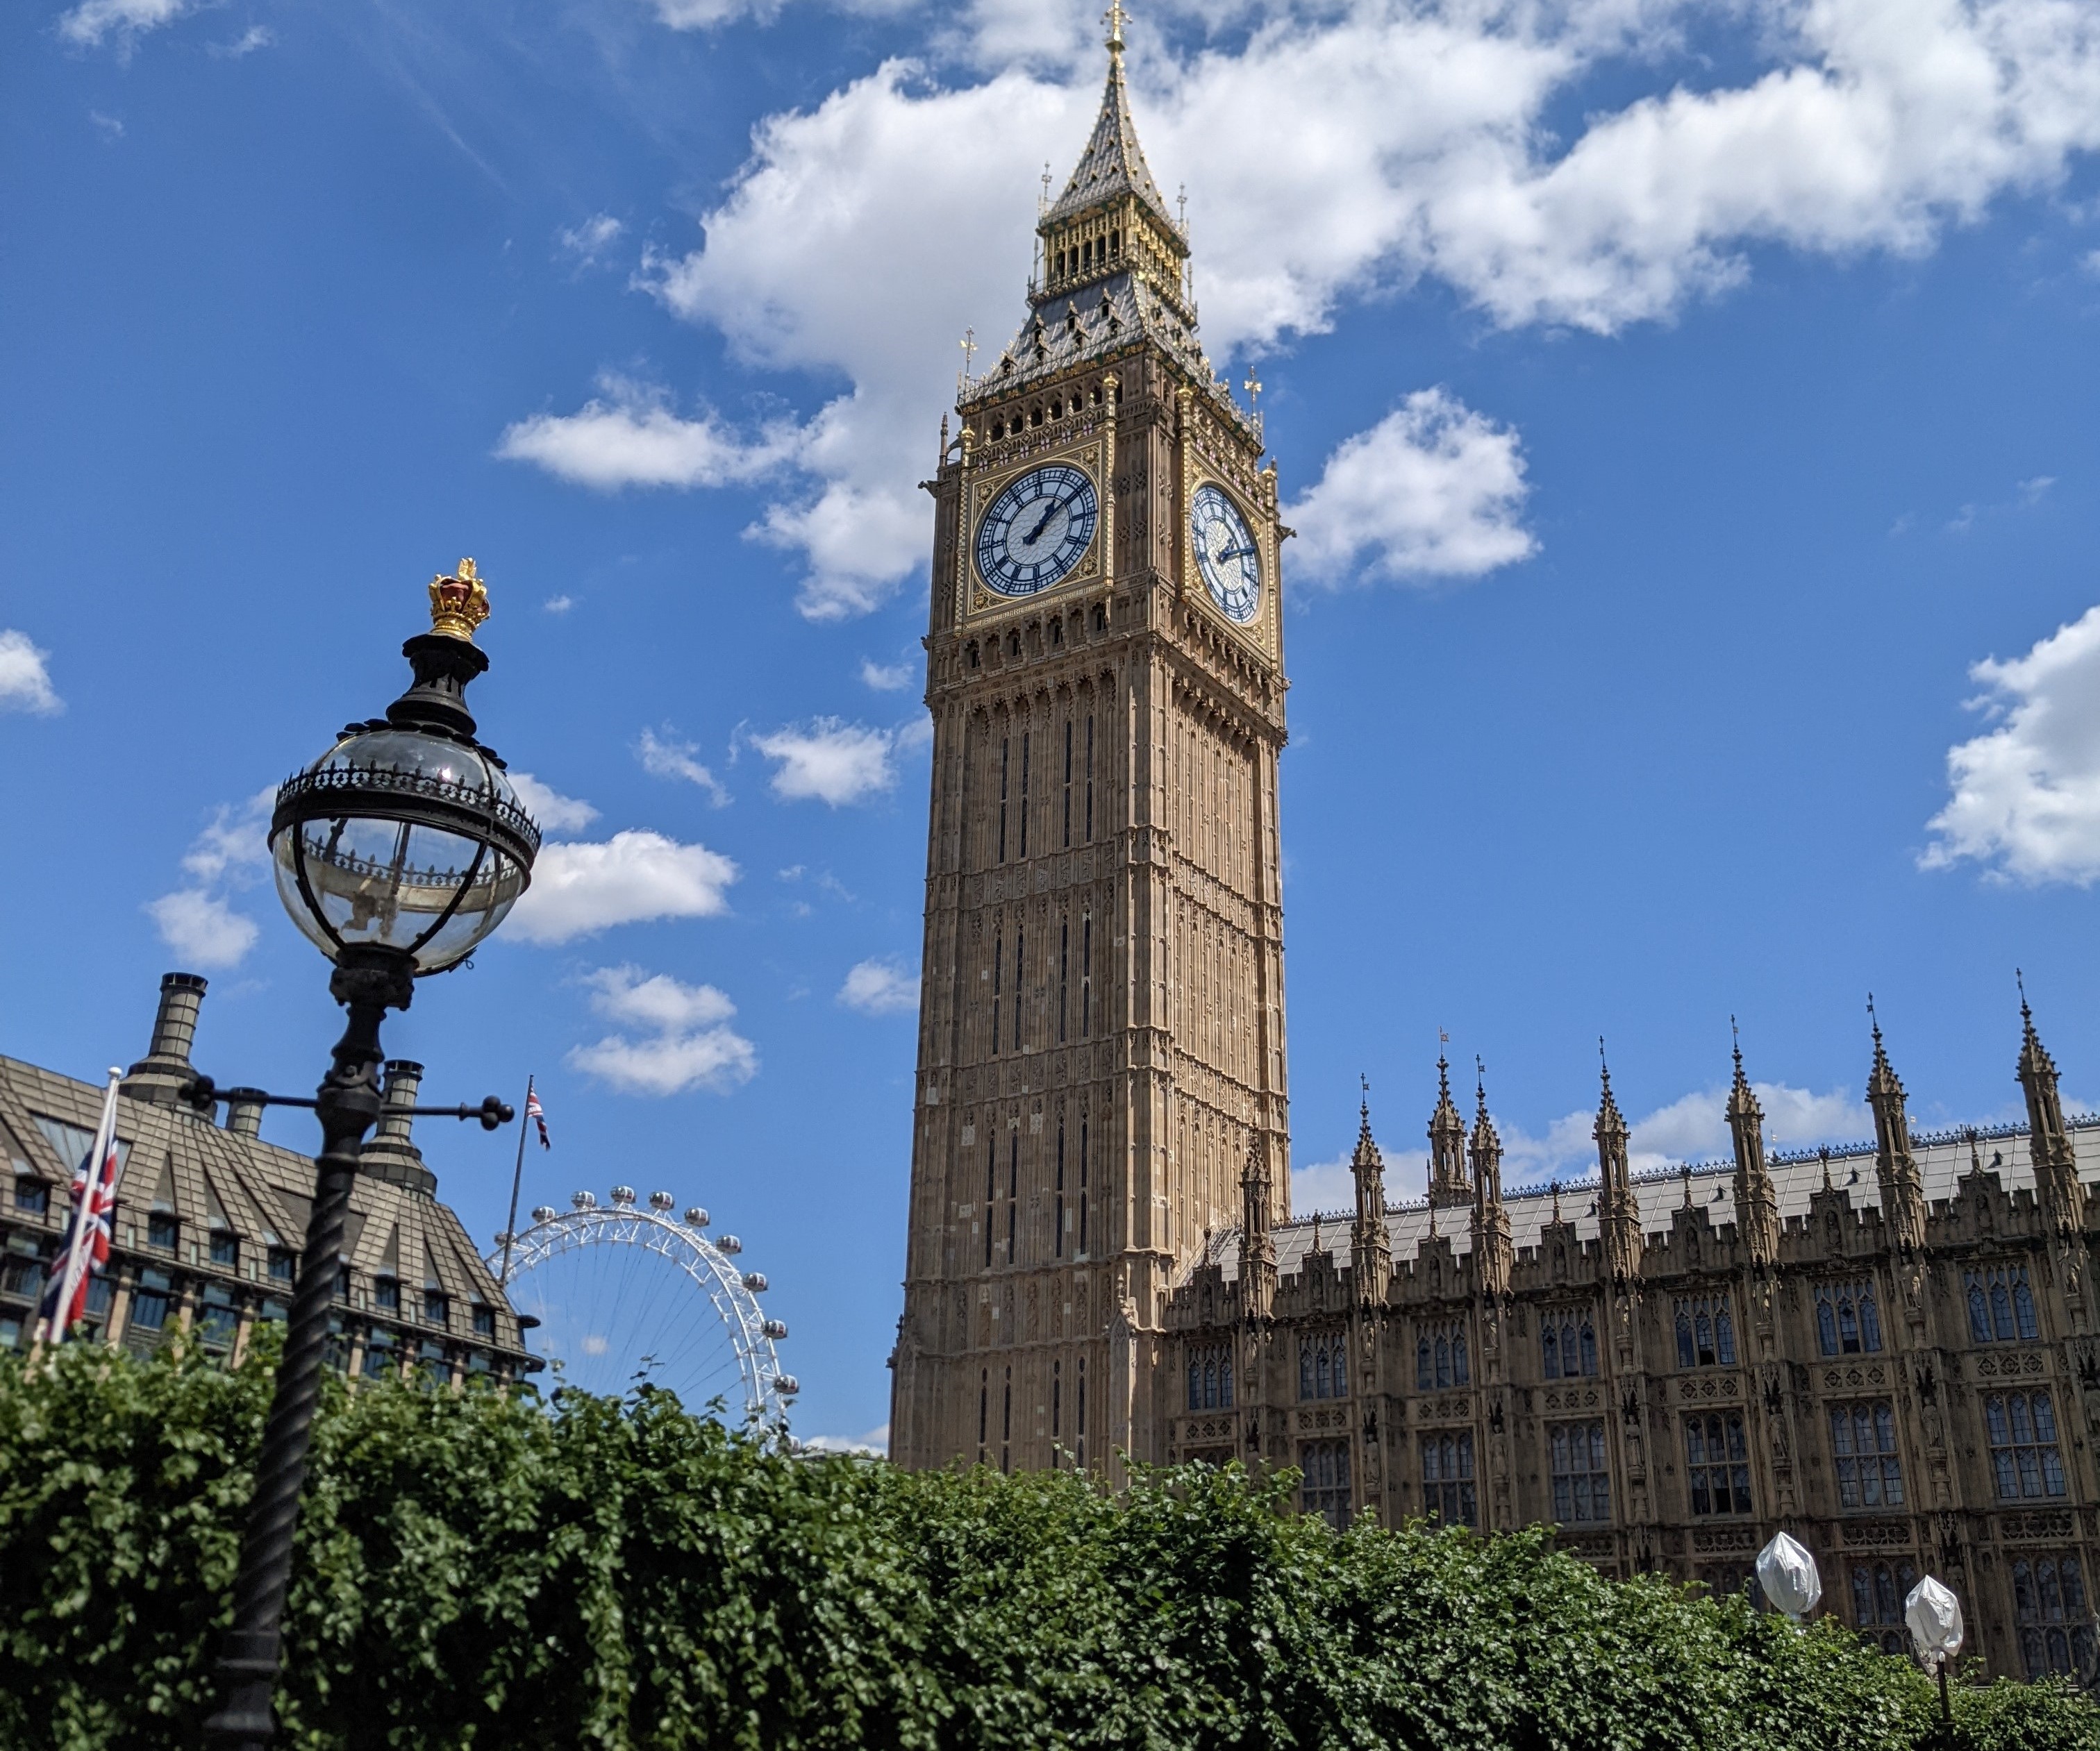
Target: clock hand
1049	510
1234	552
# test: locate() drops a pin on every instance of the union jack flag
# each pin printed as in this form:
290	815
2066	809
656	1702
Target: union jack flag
85	1251
538	1114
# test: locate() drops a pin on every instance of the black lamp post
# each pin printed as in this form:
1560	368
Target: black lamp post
397	852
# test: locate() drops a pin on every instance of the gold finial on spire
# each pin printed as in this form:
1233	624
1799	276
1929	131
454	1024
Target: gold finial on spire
1113	18
1253	387
459	603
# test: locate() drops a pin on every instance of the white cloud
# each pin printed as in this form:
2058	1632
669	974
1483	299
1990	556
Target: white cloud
688	1044
655	1000
875	1445
589	240
25	682
662	758
829	760
2026	801
632	438
554	812
1433	490
887	677
1325	1187
880	988
632	878
202	928
1568	165
1693	1127
89	22
255	37
235	844
559	604
232	851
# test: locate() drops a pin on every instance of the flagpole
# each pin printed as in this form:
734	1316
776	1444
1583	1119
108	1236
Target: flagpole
516	1179
77	1241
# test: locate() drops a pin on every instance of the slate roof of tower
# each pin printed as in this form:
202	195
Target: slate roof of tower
1113	163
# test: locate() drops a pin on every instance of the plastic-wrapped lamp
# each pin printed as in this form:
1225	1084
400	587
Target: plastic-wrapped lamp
1933	1614
1787	1571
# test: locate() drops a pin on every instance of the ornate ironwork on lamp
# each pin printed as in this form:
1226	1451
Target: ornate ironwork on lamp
407	835
396	854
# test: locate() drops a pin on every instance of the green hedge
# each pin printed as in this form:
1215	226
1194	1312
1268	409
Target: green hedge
476	1570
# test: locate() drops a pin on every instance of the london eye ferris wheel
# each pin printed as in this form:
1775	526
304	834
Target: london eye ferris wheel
627	1293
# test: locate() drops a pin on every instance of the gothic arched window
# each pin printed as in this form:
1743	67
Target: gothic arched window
1323	1366
1424	1376
2001	1305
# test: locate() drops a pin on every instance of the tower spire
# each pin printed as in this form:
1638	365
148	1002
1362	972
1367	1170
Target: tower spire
1257	1247
2057	1187
1448	1184
1492	1256
1370	1247
1902	1186
1757	1199
1618	1213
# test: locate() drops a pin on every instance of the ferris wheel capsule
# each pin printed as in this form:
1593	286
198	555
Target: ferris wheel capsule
585	1201
786	1385
730	1244
623	1196
754	1282
662	1201
696	1217
775	1329
545	1213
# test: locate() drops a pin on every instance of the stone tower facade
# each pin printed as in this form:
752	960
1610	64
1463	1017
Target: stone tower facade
1100	1077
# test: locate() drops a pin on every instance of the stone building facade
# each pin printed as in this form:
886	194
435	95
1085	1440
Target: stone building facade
1889	1350
210	1220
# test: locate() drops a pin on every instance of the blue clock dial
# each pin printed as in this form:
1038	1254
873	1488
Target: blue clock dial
1226	554
1037	529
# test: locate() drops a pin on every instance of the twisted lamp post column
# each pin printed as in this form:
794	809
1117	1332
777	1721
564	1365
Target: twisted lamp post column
396	853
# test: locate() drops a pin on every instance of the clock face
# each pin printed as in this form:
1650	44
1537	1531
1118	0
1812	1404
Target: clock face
1225	554
1037	529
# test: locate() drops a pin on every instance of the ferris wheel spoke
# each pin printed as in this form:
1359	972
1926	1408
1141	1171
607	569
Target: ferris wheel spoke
626	1295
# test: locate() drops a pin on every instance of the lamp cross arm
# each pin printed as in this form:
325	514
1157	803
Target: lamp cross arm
202	1093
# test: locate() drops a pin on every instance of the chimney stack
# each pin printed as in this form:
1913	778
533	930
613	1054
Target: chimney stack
243	1118
391	1153
160	1076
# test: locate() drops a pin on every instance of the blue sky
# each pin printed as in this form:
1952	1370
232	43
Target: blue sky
1687	414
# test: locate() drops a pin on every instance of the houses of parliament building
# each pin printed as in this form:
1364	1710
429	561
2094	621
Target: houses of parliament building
1891	1350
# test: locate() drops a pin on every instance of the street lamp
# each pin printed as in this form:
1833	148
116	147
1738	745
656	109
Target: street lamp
1787	1571
396	853
1933	1614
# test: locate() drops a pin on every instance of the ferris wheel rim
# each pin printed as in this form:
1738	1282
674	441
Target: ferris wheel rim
628	1224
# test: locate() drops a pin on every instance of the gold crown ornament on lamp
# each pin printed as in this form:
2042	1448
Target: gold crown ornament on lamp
459	603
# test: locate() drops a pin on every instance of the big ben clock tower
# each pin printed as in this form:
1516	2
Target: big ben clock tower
1101	1080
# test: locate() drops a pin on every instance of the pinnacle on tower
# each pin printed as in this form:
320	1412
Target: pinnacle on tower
2058	1189
1902	1186
1449	1181
1618	1212
1757	1198
1491	1255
